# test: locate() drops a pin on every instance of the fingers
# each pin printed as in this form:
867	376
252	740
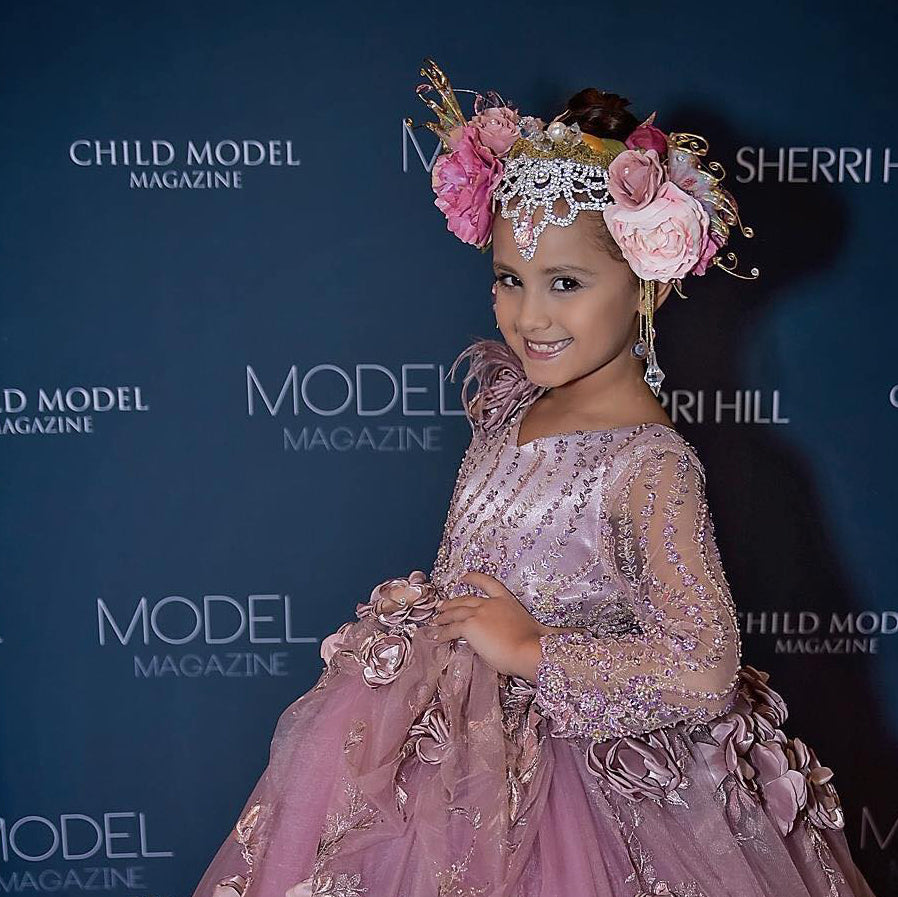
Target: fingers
449	622
448	632
461	601
454	614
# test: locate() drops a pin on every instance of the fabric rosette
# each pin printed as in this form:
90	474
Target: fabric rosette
380	640
430	735
824	807
768	707
784	789
748	747
412	599
727	754
383	656
799	783
638	767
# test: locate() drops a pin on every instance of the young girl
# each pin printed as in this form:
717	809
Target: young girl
559	707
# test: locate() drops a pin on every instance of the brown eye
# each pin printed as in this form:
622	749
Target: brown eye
574	284
500	279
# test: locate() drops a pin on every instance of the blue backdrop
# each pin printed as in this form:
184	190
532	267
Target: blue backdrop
228	306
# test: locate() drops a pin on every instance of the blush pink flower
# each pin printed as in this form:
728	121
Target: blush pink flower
663	240
498	128
411	599
634	178
463	181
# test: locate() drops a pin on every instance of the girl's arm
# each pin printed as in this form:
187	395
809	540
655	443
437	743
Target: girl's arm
679	662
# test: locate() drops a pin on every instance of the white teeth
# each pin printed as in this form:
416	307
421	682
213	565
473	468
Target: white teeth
548	348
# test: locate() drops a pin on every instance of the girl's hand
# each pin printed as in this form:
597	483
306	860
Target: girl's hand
498	627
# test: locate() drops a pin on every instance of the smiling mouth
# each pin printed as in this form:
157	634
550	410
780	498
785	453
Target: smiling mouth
545	349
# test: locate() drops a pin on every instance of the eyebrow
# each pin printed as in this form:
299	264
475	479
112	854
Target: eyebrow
554	269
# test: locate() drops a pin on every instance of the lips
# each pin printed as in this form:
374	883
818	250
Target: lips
545	350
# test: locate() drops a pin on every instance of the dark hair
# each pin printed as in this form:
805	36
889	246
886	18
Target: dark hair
602	114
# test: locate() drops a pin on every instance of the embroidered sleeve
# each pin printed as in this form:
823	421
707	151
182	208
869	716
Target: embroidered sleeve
679	660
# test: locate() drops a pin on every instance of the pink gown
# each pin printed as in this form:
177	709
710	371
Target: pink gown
644	760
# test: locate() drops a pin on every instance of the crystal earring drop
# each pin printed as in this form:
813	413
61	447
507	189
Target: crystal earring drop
653	373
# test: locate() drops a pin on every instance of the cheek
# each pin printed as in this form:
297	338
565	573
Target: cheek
592	314
599	320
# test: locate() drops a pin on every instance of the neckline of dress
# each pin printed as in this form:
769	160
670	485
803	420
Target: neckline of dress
516	429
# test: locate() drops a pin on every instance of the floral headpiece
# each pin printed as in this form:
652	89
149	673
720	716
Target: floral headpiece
669	215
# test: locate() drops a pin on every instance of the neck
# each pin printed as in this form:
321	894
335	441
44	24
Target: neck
612	392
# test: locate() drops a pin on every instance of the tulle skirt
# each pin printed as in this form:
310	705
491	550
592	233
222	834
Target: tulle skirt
412	769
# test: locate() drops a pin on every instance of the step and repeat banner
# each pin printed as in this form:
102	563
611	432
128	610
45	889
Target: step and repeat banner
228	307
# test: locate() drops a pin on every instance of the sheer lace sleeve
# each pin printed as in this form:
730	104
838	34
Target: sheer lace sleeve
678	660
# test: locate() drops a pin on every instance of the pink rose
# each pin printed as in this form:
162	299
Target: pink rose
498	127
663	240
384	657
409	599
634	178
463	181
647	137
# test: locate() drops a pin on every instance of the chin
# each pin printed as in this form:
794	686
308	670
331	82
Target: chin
538	375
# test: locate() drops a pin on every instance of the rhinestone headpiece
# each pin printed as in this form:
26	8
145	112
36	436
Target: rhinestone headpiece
667	213
557	163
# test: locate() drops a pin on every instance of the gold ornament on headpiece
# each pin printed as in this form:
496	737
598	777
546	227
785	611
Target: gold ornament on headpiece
727	214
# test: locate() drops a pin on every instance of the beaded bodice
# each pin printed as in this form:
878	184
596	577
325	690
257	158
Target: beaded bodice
607	535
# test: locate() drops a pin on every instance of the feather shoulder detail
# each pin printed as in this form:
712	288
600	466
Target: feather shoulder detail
503	387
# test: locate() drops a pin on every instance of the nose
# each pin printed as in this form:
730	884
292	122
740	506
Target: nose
532	315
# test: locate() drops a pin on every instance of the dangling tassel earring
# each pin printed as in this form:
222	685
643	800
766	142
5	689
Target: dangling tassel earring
644	347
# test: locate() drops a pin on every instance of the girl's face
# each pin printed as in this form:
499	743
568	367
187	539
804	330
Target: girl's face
572	308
